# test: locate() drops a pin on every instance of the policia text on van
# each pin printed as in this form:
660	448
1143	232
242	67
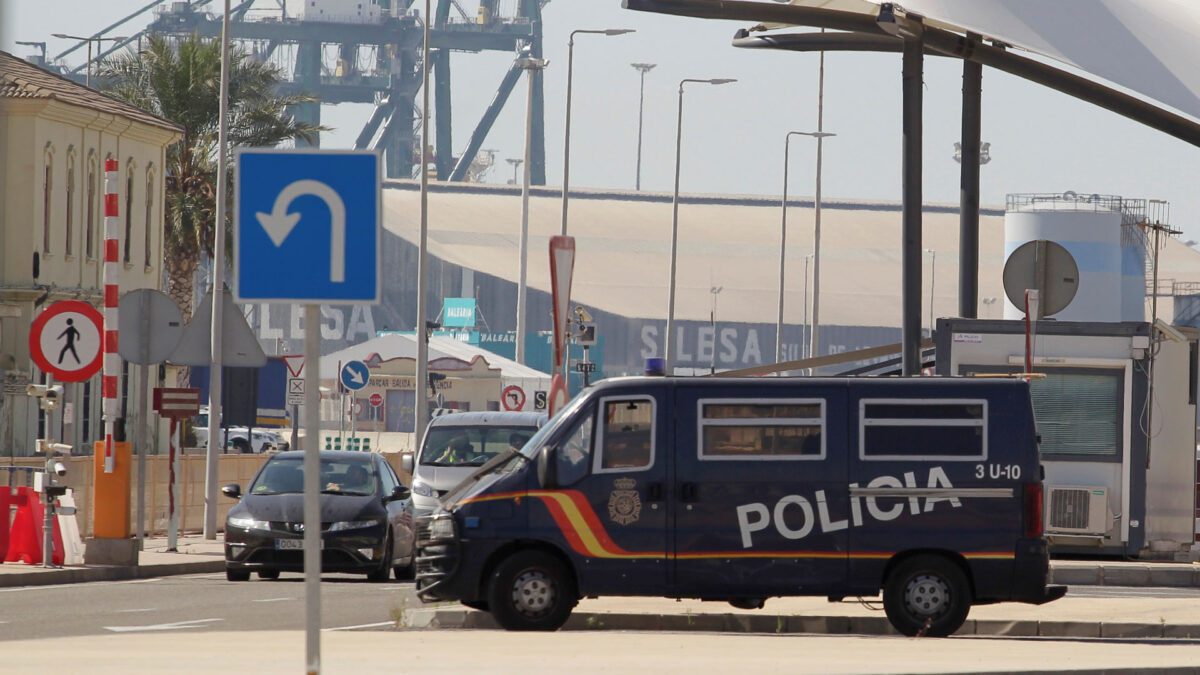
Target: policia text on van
740	490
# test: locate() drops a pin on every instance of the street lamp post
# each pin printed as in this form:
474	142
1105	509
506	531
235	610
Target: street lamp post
567	132
712	318
644	68
787	139
515	163
97	39
932	278
531	66
668	353
804	329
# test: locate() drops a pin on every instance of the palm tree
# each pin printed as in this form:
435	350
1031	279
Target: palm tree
180	81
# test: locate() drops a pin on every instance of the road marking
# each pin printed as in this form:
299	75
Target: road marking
178	625
273	600
365	625
131	611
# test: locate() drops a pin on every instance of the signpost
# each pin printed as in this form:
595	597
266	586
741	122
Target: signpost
307	231
175	404
153	328
562	265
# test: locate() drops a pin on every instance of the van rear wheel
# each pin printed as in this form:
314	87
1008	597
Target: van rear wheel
531	590
927	595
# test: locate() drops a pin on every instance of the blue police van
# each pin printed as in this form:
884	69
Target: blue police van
928	489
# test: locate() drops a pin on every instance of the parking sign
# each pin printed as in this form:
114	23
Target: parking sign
306	228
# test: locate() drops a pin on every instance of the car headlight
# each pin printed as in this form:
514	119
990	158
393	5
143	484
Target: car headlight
441	528
422	489
247	523
343	525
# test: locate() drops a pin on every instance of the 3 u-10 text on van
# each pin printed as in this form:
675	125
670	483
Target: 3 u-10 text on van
745	489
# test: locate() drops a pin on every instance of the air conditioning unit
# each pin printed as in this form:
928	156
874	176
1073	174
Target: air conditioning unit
1072	509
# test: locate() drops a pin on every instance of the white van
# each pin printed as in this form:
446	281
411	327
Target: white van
458	444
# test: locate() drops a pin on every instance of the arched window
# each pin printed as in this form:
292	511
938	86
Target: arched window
68	248
47	191
89	246
149	209
126	257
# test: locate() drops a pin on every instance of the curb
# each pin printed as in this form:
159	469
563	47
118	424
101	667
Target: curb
768	623
74	575
1126	575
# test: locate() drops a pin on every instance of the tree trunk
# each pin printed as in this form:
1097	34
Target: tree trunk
180	277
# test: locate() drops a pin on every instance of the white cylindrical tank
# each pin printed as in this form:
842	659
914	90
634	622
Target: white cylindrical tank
1111	264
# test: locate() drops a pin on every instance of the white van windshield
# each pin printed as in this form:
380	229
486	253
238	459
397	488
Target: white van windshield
471	446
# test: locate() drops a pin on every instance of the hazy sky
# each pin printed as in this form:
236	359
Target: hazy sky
1041	141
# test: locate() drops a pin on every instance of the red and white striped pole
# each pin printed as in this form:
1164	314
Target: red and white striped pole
112	362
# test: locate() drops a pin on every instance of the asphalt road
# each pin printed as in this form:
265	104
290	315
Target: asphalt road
197	602
207	602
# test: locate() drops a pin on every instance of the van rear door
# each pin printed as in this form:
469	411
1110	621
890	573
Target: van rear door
932	468
760	493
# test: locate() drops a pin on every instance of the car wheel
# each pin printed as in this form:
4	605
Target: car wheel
385	565
268	574
531	590
237	575
927	595
241	445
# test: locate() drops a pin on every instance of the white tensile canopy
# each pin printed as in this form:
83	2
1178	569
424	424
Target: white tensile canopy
1146	46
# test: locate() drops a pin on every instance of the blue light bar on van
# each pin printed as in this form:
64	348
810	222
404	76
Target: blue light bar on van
656	366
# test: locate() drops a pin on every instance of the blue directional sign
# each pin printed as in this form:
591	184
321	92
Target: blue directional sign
354	375
307	226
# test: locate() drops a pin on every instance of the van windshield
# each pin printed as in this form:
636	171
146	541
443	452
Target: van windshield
471	446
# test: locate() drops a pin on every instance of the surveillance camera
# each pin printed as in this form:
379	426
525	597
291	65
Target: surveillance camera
44	391
1169	331
60	469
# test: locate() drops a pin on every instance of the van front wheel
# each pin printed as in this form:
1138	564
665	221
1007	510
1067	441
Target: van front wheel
531	590
927	595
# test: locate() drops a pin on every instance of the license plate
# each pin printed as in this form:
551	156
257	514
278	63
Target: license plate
292	544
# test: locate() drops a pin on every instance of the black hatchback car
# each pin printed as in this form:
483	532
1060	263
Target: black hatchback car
366	519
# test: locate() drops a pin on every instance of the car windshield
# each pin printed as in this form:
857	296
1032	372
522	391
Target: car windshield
340	476
471	446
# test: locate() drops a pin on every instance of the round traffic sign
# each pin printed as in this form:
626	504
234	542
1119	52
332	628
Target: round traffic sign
512	398
356	408
354	375
66	341
376	400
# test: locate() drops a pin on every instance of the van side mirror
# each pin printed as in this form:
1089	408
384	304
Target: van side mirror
406	463
399	493
233	490
547	467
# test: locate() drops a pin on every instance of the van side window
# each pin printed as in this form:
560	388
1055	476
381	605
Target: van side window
626	439
928	429
575	453
762	429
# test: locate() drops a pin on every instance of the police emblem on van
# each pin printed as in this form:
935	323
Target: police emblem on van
624	504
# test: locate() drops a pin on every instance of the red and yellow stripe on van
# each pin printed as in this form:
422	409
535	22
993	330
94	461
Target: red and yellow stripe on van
582	529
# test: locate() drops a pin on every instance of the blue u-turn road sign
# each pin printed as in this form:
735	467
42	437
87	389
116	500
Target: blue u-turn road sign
307	226
354	375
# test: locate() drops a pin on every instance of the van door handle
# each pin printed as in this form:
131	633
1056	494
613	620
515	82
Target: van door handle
654	492
688	492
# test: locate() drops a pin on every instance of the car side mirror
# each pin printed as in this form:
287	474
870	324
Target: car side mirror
406	463
399	493
233	490
547	467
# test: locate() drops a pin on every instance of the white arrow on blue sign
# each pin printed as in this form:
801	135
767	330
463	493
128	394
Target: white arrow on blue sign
307	226
355	375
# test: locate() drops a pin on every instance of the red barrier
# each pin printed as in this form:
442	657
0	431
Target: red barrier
7	501
25	538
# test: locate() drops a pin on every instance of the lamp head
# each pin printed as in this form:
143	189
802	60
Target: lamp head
722	80
619	31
